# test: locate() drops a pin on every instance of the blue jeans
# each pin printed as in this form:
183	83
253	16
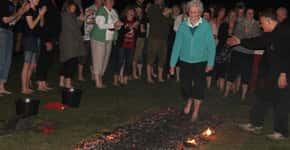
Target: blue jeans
125	57
6	46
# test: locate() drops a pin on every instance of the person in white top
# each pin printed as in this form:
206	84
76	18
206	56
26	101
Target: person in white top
90	13
102	35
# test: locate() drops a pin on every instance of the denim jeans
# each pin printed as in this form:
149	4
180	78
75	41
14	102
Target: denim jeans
125	57
6	46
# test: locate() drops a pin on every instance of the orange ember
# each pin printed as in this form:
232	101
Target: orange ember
192	142
208	132
110	137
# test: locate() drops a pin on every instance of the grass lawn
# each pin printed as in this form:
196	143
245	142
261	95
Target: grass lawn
104	109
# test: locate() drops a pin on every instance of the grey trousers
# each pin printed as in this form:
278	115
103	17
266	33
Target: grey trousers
101	52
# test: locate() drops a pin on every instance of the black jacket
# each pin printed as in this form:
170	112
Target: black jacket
276	44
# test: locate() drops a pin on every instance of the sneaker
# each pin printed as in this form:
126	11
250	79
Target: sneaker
250	128
276	136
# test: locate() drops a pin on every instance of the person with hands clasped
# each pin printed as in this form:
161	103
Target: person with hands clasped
6	40
70	42
34	21
126	44
274	93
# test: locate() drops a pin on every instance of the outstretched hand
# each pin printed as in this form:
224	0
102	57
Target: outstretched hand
232	41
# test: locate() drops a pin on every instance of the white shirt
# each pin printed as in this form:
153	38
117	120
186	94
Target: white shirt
102	24
196	24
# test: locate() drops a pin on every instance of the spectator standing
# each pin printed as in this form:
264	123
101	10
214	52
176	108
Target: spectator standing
102	35
6	40
90	13
34	21
71	43
158	36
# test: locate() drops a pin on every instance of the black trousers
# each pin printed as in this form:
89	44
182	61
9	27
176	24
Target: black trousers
70	67
192	72
43	64
241	64
270	96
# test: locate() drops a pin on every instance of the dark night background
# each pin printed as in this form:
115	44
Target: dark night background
258	4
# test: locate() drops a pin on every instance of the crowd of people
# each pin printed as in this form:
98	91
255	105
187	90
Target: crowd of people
193	43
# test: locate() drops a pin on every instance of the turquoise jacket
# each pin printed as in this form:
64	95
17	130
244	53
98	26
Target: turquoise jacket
194	45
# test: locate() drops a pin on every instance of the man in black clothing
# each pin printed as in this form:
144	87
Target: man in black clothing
275	72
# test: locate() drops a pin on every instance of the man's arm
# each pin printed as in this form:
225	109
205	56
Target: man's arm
259	42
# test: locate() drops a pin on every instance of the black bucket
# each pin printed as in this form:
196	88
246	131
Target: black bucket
27	107
71	97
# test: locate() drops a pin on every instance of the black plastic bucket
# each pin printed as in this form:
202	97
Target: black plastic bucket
71	97
27	107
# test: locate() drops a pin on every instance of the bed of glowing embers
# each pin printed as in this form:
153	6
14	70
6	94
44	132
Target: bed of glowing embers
168	129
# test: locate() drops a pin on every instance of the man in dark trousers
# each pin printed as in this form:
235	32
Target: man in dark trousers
274	93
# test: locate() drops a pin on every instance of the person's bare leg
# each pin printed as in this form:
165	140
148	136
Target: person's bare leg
160	74
125	80
3	90
24	77
67	83
208	81
149	74
31	68
228	88
244	91
218	83
98	81
135	76
92	73
139	68
177	74
187	107
222	84
195	112
81	72
61	81
237	85
40	86
46	86
116	80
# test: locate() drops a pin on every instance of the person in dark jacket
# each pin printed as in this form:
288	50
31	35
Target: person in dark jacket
71	43
275	71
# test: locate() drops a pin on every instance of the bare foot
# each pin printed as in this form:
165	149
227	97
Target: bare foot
26	92
150	81
116	84
101	86
161	80
81	79
194	117
187	108
135	77
48	88
42	89
5	92
61	84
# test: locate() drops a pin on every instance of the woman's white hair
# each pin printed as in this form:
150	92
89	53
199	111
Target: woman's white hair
195	3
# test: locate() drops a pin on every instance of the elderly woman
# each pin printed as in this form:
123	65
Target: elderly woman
102	35
194	46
